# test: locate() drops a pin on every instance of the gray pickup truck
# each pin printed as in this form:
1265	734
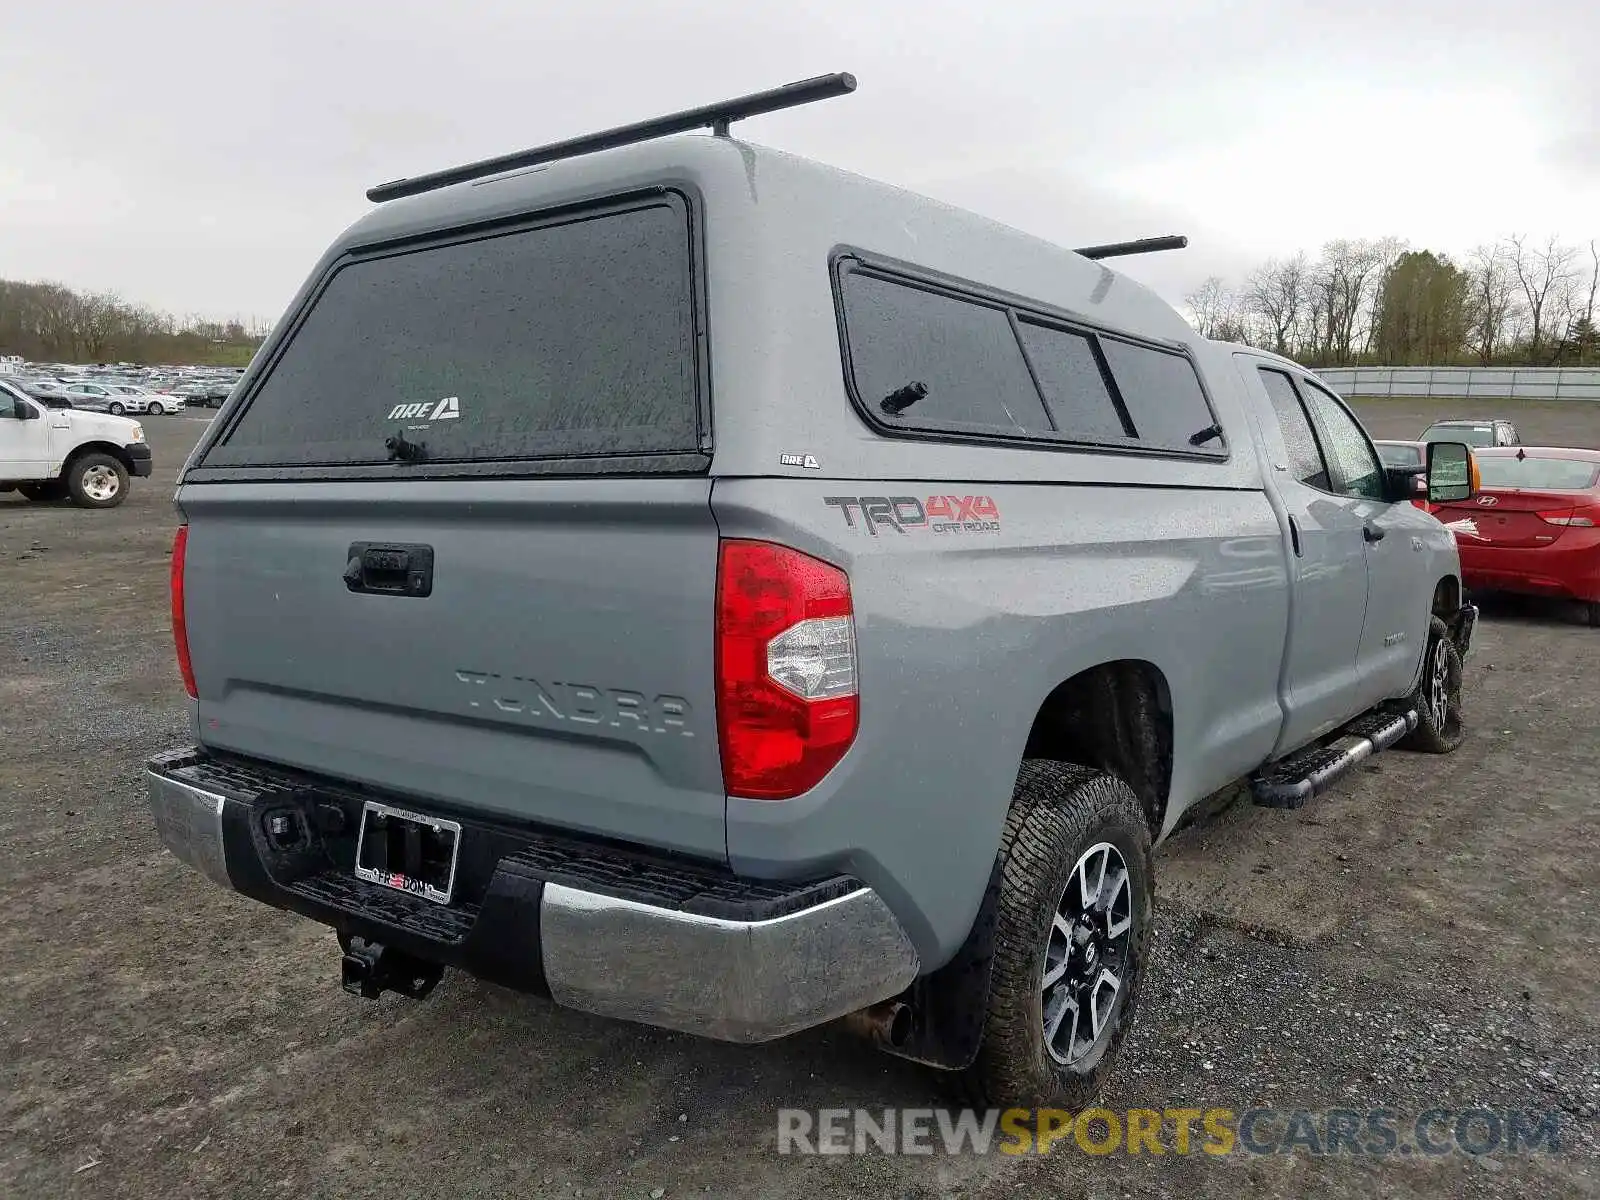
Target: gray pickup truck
714	590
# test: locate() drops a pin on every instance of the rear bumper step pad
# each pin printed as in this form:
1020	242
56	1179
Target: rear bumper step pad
618	931
1291	781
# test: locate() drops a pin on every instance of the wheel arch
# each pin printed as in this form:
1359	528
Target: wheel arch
1447	597
120	453
1115	717
1446	602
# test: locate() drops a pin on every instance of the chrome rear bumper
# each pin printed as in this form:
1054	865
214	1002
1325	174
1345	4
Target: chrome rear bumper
733	980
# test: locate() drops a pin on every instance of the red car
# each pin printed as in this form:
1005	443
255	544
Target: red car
1535	525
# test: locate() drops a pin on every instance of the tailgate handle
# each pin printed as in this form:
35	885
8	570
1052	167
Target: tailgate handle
389	569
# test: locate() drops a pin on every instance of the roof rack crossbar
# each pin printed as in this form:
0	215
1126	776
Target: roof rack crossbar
715	116
1172	241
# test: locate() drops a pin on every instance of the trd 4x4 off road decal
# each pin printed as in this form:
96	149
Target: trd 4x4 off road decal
903	514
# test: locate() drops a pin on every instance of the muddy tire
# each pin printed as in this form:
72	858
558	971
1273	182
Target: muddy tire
43	493
1438	696
1072	928
97	481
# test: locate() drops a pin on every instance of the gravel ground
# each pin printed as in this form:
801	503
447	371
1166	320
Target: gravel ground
1423	937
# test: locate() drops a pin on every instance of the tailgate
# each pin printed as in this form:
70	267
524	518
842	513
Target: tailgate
560	670
523	409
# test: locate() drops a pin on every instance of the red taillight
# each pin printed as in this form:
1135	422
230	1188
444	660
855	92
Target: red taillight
1567	516
787	704
180	625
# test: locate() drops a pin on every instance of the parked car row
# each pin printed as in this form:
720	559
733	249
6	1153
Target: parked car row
1533	528
114	397
124	389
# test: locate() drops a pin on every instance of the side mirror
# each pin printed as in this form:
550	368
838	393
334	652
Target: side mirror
1402	483
1452	472
24	412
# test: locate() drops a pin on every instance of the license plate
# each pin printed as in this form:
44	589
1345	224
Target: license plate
408	851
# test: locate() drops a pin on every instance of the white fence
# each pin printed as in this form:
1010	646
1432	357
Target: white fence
1504	383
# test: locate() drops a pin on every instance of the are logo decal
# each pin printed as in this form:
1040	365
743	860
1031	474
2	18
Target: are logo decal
906	514
448	409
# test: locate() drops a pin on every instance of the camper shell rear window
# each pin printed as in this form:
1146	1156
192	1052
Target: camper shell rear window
570	339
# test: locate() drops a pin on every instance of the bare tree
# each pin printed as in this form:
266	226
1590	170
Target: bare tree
1322	295
1583	337
1233	321
1205	305
1277	292
100	321
1494	289
1218	312
1343	287
1383	253
1594	283
1542	274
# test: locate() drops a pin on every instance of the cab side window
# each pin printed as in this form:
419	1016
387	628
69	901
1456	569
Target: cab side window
1305	456
1352	463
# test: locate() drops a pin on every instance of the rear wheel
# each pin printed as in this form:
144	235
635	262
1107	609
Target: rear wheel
1438	696
97	481
1070	938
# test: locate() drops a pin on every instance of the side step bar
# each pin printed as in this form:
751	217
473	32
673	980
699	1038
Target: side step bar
1291	781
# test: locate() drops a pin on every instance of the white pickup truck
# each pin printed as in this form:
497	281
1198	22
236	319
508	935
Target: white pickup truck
47	453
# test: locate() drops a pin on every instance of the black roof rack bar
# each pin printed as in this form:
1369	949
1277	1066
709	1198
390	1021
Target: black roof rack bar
715	116
1172	241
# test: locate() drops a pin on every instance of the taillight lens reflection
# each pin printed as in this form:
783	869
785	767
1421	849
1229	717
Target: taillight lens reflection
180	626
787	700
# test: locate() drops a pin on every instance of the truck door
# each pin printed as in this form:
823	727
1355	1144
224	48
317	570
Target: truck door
1328	564
24	438
1398	590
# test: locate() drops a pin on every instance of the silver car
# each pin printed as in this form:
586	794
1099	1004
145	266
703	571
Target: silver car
129	398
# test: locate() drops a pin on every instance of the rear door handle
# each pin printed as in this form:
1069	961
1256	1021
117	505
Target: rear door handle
1373	533
389	569
1294	538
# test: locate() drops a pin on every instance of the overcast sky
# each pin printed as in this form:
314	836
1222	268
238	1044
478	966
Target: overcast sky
197	155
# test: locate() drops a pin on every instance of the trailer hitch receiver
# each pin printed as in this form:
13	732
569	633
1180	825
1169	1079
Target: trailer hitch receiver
370	969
